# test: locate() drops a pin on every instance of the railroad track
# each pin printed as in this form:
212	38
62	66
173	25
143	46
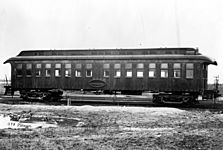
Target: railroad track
125	100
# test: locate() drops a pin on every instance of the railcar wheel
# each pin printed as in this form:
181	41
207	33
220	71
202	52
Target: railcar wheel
186	99
157	99
189	101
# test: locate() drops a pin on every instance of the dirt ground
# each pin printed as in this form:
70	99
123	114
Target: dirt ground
114	127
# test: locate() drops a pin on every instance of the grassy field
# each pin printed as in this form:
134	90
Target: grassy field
115	127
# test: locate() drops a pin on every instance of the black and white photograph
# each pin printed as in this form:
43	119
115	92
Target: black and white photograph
111	74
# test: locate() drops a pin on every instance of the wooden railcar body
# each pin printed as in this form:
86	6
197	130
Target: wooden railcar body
106	70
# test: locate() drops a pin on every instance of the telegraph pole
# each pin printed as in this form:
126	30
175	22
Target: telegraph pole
216	84
215	89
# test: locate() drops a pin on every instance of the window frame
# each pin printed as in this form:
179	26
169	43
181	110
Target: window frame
57	71
38	70
128	70
106	73
190	70
177	70
19	70
78	73
106	70
78	70
164	70
67	70
139	73
89	71
140	70
48	72
29	70
117	70
152	69
117	75
128	73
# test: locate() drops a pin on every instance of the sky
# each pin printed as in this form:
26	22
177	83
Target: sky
75	24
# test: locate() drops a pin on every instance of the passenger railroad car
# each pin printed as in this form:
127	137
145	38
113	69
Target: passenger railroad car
179	72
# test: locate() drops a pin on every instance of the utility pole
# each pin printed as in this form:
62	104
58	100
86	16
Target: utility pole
216	85
216	89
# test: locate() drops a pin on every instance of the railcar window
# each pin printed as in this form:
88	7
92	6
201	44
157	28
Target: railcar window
176	70
38	73
78	73
19	70
18	66
28	66
129	73
57	65
164	70
140	68
89	66
48	66
78	70
88	73
38	66
57	70
106	66
152	70
38	70
106	73
117	73
189	71
117	68
48	70
106	70
88	70
28	70
67	70
78	66
128	68
57	73
67	65
164	66
139	73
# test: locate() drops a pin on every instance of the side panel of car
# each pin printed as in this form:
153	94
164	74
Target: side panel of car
128	75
